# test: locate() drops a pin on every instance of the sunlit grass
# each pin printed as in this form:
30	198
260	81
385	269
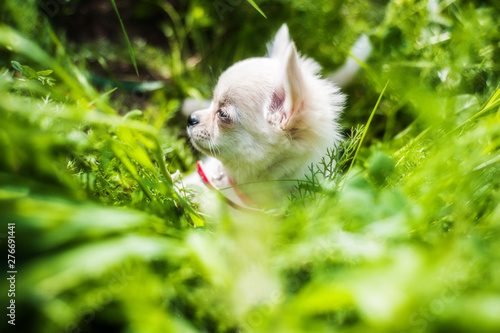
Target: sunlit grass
395	231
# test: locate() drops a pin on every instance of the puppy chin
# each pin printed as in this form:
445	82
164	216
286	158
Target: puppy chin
201	145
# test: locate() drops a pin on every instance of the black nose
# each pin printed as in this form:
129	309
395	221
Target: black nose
193	120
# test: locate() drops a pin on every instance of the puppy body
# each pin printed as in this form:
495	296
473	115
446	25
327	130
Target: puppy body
269	117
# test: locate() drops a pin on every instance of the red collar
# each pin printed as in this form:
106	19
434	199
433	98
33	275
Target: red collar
232	194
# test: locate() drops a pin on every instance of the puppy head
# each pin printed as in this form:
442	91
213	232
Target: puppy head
268	116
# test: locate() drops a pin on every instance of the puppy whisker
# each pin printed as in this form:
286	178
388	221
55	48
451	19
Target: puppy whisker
215	146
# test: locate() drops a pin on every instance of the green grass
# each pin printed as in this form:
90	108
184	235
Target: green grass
129	46
395	231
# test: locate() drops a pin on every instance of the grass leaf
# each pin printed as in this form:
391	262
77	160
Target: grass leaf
254	5
129	46
367	126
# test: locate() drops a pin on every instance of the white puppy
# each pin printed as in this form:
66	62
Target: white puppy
269	119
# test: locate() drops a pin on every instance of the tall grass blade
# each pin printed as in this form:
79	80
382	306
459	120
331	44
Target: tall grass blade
129	46
367	126
254	5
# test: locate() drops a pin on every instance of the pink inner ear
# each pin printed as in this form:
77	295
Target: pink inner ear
278	115
277	101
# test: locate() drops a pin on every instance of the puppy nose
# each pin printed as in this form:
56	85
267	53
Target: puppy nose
193	120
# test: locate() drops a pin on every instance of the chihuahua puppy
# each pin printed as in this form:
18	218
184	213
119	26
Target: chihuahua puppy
269	119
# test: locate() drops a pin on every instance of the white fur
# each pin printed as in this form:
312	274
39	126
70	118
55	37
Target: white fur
283	115
360	52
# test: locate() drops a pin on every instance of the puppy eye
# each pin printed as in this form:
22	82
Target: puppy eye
223	115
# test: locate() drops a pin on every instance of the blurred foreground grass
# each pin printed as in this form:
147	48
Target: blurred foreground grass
406	241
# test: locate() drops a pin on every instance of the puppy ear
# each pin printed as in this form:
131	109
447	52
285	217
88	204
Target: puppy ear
277	47
288	100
